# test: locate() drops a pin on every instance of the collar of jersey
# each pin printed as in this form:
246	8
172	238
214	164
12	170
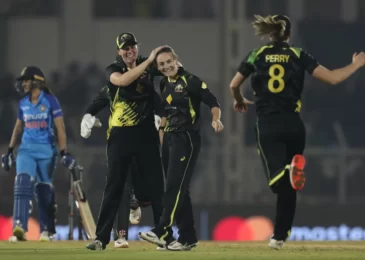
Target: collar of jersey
39	99
284	44
180	74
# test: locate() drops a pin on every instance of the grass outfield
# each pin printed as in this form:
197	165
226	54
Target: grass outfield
58	250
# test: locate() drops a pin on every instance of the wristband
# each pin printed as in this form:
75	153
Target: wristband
10	150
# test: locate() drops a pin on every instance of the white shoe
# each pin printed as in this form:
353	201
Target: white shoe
161	248
152	238
13	239
135	216
276	244
121	243
45	237
177	246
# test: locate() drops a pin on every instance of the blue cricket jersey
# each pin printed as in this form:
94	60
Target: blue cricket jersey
38	118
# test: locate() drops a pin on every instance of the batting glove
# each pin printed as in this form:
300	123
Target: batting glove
68	160
8	160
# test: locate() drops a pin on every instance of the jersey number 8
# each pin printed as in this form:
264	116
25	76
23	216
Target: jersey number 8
276	73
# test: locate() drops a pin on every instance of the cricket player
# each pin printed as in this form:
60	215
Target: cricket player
277	70
130	210
39	113
182	94
131	135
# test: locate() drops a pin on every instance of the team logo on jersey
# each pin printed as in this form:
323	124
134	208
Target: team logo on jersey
42	108
169	99
179	88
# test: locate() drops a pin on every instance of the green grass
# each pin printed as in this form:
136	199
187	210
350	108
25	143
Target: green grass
67	250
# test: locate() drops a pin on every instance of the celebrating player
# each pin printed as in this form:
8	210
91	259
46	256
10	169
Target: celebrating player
40	112
277	77
131	134
182	93
129	210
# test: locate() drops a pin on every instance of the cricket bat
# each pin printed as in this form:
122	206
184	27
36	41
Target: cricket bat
82	204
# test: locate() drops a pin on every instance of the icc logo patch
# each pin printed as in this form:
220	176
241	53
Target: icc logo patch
42	108
179	88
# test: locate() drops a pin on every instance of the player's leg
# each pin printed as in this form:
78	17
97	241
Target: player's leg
148	182
165	156
272	150
286	192
184	150
23	193
118	164
273	136
121	224
45	195
273	153
148	179
185	222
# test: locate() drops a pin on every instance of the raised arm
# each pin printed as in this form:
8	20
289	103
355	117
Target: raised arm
125	79
337	76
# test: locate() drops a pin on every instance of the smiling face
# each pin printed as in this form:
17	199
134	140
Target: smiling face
129	53
26	84
167	64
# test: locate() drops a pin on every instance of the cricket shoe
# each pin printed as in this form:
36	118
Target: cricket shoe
135	216
276	244
96	245
19	233
177	246
297	177
152	238
169	240
121	242
45	237
13	239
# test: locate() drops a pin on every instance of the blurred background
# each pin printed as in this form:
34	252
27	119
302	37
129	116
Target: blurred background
73	41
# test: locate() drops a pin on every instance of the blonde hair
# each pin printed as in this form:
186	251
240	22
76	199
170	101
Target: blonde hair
269	26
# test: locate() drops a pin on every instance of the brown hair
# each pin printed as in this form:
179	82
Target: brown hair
167	49
276	26
42	86
47	90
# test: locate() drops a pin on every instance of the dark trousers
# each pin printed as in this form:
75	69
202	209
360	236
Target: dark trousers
124	144
122	220
180	152
279	138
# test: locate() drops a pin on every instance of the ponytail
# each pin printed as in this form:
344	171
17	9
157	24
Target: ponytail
46	89
277	29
